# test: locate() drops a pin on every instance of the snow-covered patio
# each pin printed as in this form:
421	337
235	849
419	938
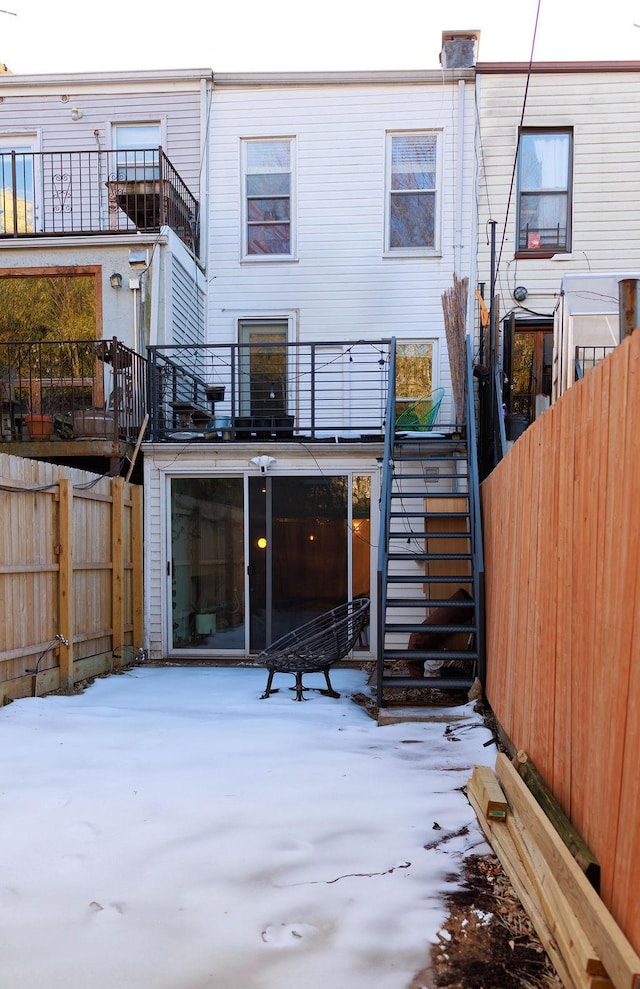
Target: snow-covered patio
167	829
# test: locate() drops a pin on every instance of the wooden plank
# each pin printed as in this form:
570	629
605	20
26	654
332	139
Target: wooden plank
137	562
617	955
65	582
554	812
488	793
117	558
577	950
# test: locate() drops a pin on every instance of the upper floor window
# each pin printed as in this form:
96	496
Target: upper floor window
412	196
268	182
544	191
17	185
137	156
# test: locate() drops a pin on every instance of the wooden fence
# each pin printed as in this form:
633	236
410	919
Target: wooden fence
561	516
70	576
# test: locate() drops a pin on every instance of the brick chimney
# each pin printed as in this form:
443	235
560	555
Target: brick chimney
459	49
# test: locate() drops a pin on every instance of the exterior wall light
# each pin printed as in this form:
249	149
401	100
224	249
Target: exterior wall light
76	113
115	280
520	293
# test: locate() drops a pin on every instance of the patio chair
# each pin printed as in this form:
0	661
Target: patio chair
315	646
421	415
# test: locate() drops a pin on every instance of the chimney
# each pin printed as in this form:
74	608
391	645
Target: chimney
459	49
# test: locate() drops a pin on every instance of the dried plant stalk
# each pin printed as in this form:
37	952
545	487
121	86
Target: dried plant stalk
454	306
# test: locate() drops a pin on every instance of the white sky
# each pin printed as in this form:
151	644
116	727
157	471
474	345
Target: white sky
280	35
168	828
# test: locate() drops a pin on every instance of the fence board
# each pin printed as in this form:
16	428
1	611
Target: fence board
562	528
57	574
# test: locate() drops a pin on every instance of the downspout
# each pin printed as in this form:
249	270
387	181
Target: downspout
459	178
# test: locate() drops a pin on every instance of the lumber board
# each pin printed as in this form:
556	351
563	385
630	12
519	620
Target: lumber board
577	950
572	839
503	845
618	957
488	793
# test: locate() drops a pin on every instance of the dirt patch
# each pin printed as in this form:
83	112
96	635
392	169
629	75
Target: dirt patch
487	940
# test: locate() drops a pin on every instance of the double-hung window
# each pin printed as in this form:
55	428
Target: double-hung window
268	194
544	191
412	193
137	154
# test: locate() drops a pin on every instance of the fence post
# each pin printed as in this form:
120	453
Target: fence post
137	579
117	570
66	618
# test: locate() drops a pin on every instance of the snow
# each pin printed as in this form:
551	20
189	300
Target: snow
169	829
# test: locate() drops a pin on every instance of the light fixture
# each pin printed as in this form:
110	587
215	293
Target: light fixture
115	280
264	462
520	293
261	543
76	113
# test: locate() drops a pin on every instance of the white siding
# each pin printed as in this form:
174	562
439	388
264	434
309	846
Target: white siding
603	110
341	286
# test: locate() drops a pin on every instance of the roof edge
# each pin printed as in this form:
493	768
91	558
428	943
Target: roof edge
352	77
82	79
554	68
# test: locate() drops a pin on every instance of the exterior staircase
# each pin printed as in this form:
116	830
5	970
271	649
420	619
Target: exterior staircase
430	571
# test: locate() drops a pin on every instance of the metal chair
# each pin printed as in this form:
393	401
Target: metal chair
315	646
421	415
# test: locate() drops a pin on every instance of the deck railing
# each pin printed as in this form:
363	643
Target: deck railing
71	388
318	391
61	193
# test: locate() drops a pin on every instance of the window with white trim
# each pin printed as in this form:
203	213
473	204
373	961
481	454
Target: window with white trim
267	197
414	372
544	191
137	157
412	193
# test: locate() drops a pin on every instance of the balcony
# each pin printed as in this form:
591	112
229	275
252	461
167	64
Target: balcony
67	193
62	399
269	391
587	357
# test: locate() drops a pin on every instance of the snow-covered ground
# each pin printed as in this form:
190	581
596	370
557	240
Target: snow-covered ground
167	829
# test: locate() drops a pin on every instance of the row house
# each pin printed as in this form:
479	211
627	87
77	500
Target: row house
559	191
235	286
102	253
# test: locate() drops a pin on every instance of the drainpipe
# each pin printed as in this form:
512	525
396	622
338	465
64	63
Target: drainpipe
459	177
628	306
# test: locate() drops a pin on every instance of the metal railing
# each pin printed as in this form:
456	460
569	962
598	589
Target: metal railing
61	193
71	389
586	359
333	390
475	509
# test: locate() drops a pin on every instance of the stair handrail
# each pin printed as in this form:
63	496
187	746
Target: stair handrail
385	510
475	511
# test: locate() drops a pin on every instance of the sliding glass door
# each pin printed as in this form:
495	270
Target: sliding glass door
306	542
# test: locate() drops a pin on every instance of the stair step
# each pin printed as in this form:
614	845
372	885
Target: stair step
429	494
426	534
429	515
428	683
421	627
427	579
427	602
396	655
423	557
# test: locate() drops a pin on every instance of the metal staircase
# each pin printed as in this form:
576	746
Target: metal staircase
430	570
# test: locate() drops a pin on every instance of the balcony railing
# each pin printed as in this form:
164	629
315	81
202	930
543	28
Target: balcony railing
66	193
334	391
71	389
588	357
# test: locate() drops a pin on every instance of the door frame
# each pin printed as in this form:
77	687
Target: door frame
234	655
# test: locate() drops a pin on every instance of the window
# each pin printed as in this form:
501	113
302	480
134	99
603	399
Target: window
267	198
137	156
414	373
17	185
412	182
544	191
